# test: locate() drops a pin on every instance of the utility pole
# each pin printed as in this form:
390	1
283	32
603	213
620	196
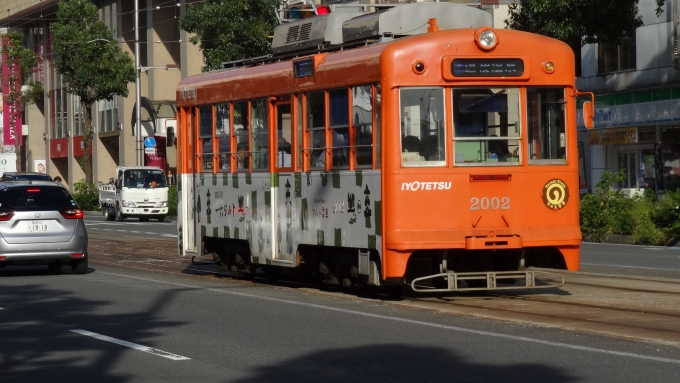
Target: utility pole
138	91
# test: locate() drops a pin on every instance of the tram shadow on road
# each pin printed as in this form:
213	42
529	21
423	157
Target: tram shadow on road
405	363
36	342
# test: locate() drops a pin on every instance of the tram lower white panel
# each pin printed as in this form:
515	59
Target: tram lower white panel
277	212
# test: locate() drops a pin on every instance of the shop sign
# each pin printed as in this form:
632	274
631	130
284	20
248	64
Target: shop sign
619	136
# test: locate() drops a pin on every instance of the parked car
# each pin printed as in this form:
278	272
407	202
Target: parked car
40	223
25	176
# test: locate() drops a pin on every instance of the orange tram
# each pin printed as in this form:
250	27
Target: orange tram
441	155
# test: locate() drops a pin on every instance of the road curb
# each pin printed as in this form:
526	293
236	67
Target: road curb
94	213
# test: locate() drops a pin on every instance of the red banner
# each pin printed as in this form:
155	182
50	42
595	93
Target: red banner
8	132
156	156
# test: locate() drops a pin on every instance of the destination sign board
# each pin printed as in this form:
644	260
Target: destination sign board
304	68
487	67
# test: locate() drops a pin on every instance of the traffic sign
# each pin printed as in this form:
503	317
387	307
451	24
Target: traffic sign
150	142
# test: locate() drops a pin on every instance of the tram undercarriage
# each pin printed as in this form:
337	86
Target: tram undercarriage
426	270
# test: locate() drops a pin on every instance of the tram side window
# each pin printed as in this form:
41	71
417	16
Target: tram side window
339	126
316	129
260	144
223	133
241	125
284	133
362	121
206	137
546	125
422	127
486	125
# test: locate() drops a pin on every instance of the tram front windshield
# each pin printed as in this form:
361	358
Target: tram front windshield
486	125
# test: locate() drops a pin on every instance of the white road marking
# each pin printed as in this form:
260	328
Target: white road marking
421	323
135	346
169	235
630	267
653	248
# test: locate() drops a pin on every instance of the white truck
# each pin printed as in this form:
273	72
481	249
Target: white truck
137	191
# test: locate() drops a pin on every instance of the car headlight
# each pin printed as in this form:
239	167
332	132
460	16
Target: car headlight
129	204
162	204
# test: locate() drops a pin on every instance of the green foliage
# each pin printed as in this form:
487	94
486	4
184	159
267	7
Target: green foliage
227	30
577	22
86	196
644	217
93	65
172	201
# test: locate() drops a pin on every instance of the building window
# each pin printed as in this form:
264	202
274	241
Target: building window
616	58
108	115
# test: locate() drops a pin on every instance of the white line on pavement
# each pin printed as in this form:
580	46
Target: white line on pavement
135	346
169	235
421	323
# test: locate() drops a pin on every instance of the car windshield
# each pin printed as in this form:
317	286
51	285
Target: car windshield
144	178
31	197
30	177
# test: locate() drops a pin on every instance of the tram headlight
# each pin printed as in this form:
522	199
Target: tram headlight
486	39
548	67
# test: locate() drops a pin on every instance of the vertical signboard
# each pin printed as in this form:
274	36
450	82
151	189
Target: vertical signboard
154	152
9	110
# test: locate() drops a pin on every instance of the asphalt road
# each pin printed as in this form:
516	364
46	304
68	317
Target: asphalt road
652	261
122	325
131	227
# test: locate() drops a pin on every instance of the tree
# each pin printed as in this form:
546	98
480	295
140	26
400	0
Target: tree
22	90
228	30
578	22
92	64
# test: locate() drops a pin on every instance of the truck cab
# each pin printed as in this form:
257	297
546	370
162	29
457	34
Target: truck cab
138	192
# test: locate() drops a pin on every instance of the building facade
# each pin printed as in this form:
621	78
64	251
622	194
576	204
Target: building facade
637	104
54	128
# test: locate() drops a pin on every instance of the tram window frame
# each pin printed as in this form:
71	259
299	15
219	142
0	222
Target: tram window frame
357	148
260	138
281	147
299	121
562	137
417	160
339	119
241	136
206	137
311	131
223	137
492	146
377	115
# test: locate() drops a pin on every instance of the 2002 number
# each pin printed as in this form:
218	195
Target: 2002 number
494	203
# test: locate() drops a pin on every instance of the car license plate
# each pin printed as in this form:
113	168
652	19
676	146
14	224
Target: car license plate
37	226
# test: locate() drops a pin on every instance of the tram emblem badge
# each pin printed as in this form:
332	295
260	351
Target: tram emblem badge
555	194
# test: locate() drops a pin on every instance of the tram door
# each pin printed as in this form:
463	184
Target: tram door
282	198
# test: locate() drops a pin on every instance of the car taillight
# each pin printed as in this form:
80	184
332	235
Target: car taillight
6	215
78	255
33	190
72	213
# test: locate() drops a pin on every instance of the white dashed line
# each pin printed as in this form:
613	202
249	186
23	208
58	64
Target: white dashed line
135	346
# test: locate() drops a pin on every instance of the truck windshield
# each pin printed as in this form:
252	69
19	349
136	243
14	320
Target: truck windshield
144	178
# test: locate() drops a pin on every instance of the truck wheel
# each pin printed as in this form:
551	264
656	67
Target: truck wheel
161	218
112	213
119	216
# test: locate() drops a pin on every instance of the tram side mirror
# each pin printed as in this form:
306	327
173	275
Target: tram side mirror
588	115
588	109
